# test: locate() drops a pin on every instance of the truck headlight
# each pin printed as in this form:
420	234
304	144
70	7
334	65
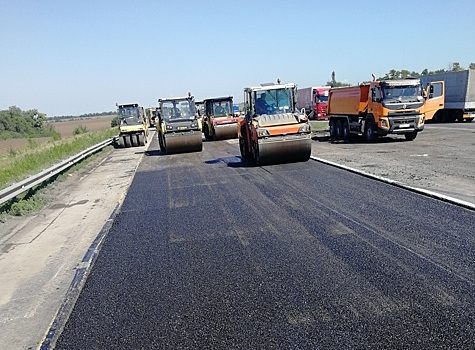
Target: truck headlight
169	127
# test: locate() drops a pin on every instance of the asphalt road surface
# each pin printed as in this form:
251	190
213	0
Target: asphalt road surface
208	252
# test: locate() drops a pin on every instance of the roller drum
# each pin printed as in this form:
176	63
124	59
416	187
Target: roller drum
228	131
283	151
183	142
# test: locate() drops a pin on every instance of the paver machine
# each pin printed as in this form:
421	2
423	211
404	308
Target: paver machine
177	128
219	120
133	128
273	130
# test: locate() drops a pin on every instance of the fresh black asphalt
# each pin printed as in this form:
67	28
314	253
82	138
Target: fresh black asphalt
210	252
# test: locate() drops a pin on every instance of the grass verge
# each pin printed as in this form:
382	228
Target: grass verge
18	165
36	198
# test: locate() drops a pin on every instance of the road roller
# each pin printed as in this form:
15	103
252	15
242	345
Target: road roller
177	128
133	127
219	121
273	130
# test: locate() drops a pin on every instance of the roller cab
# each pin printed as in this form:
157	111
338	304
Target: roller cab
177	128
219	121
133	127
272	130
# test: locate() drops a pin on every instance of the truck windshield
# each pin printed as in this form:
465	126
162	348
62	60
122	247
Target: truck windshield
222	107
178	109
399	93
273	101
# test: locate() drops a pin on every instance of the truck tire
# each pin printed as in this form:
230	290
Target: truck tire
127	141
345	130
332	129
369	134
411	136
338	129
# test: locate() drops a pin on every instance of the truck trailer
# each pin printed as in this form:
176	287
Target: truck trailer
459	103
381	108
314	100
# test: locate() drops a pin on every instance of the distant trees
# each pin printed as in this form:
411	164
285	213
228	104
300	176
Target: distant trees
15	123
87	115
334	82
396	74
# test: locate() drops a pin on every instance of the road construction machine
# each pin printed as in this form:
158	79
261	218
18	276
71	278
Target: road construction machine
133	128
219	121
177	127
151	116
272	129
380	108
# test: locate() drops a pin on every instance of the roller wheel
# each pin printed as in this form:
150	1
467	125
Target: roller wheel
369	134
141	140
127	141
410	136
255	153
135	140
206	132
242	147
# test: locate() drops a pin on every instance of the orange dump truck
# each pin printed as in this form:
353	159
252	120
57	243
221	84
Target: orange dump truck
381	108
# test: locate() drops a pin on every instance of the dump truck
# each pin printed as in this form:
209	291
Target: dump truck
272	129
219	121
314	99
459	102
381	108
133	128
177	127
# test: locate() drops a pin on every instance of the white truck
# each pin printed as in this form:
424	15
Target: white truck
459	102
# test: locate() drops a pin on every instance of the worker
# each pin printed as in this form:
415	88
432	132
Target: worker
219	110
261	104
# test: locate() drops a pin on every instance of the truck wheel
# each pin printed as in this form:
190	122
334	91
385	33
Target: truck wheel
369	131
141	140
338	130
345	131
127	141
410	136
332	129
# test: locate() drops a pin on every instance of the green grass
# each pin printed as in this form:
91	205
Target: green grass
17	165
319	125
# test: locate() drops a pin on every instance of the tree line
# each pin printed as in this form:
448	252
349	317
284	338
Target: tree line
87	115
15	123
404	73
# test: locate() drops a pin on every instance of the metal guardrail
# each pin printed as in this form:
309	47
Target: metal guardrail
34	180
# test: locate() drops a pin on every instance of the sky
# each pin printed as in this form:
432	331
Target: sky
76	57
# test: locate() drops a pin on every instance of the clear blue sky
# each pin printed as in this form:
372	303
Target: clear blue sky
73	57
